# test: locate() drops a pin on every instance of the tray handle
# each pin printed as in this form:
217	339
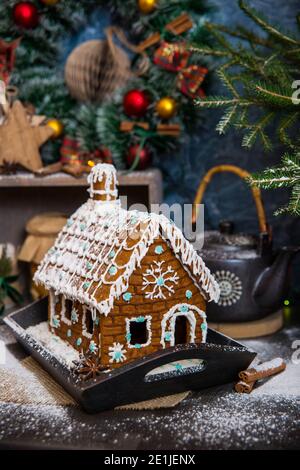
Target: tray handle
207	352
243	174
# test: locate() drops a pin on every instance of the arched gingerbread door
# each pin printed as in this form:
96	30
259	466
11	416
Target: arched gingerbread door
178	325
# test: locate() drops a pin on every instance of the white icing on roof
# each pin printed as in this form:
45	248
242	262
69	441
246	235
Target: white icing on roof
101	246
106	173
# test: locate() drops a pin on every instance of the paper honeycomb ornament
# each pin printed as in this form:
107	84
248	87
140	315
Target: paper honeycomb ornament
96	68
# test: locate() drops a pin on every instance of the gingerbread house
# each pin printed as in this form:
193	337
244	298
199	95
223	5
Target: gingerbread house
123	284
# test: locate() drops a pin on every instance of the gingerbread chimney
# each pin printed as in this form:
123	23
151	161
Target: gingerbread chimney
103	183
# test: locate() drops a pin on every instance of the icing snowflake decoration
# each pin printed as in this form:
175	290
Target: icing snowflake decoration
230	287
117	353
158	281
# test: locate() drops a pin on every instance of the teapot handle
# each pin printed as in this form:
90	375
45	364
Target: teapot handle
256	193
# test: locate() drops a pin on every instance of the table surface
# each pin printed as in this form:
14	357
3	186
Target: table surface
216	418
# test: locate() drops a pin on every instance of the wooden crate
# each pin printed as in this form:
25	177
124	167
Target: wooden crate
24	195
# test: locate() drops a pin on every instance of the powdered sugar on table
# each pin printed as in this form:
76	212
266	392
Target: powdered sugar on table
56	346
216	418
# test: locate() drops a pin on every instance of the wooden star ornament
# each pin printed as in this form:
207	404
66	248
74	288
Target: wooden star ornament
19	141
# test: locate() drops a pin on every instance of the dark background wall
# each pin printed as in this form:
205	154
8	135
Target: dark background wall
227	197
208	148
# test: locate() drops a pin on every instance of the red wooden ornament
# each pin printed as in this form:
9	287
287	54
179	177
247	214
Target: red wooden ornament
69	151
26	15
144	155
135	103
7	58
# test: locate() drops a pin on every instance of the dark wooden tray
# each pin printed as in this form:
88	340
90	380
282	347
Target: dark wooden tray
223	359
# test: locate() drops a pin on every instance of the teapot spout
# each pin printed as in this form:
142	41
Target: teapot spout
272	284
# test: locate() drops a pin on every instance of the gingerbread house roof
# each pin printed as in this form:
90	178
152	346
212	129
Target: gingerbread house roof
102	245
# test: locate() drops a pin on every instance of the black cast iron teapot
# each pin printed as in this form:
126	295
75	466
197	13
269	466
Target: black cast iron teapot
253	278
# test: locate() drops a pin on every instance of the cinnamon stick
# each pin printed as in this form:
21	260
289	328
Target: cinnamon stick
169	129
180	25
243	387
261	371
150	41
127	126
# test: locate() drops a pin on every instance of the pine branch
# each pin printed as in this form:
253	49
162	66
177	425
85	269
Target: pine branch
260	76
86	130
258	130
286	175
206	50
276	96
258	19
213	29
242	33
107	126
294	204
242	122
292	162
274	178
227	119
293	207
220	101
226	79
286	123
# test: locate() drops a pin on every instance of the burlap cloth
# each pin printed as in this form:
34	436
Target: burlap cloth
32	385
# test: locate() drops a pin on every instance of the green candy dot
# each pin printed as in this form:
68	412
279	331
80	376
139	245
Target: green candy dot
158	250
112	270
168	336
188	294
184	308
127	296
140	319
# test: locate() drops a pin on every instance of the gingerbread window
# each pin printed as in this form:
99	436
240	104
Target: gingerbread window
66	309
138	331
88	323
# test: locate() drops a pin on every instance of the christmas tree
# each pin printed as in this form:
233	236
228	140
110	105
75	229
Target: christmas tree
260	71
166	88
172	79
37	71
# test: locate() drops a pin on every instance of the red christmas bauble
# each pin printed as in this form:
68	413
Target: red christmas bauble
144	155
135	103
26	15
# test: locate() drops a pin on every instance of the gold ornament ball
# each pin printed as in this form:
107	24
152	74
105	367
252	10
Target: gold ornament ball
49	3
57	126
166	107
147	6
